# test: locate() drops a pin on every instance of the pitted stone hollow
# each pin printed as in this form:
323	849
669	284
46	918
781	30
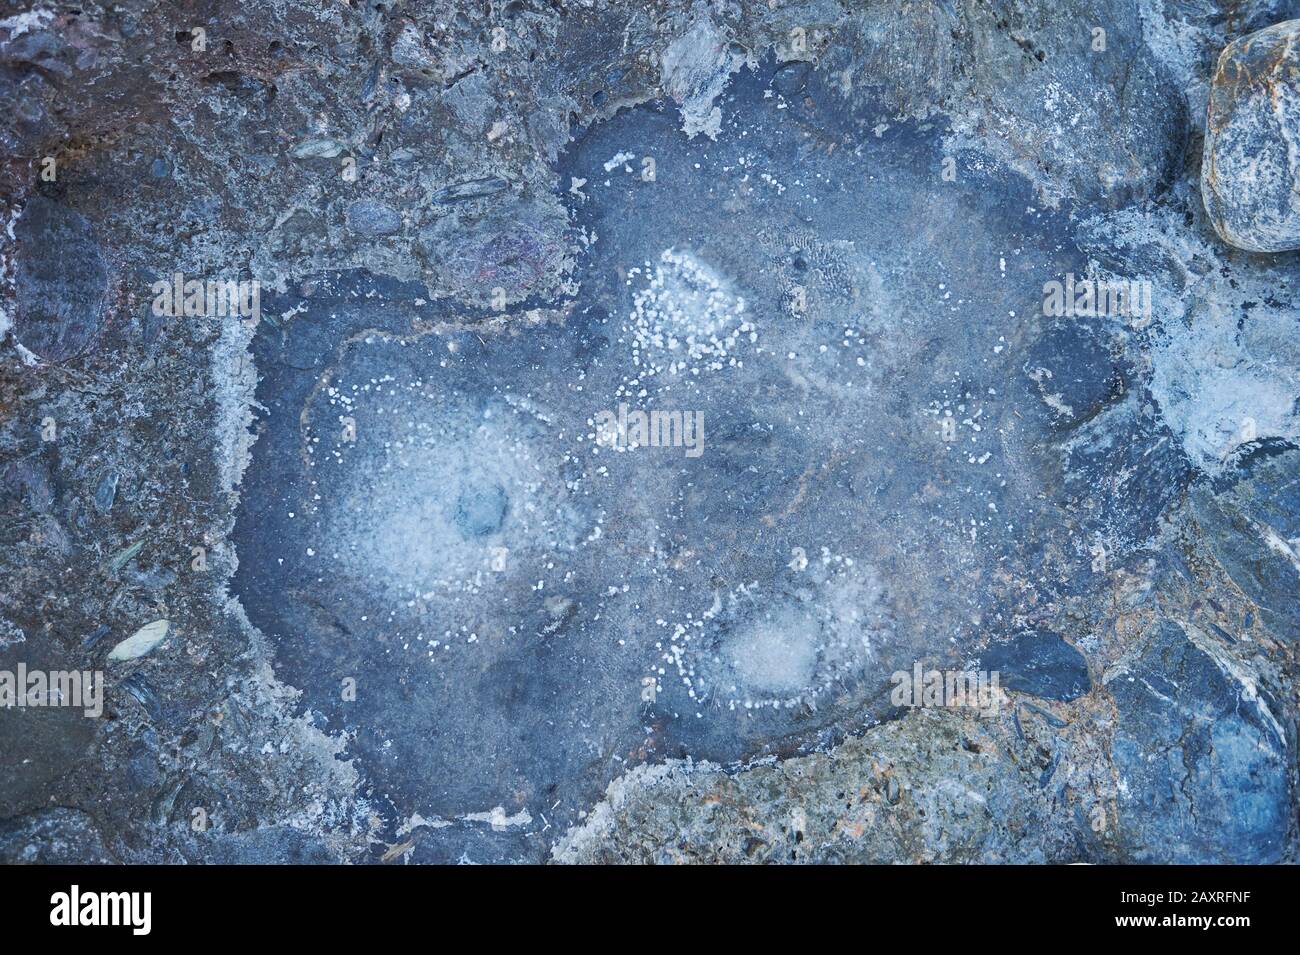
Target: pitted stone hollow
480	509
556	609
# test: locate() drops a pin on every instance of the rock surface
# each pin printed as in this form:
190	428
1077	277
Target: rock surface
420	609
60	280
1250	174
1203	763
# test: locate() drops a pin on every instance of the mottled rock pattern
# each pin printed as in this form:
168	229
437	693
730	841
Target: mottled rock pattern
373	218
936	787
1253	526
61	280
1039	663
1204	765
1135	514
1083	114
1250	173
55	837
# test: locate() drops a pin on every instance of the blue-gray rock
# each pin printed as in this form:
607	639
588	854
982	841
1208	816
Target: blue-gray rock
29	480
1251	528
1203	763
480	509
469	189
505	490
106	492
267	846
904	456
372	218
58	836
60	280
519	247
1041	663
1250	173
1095	115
